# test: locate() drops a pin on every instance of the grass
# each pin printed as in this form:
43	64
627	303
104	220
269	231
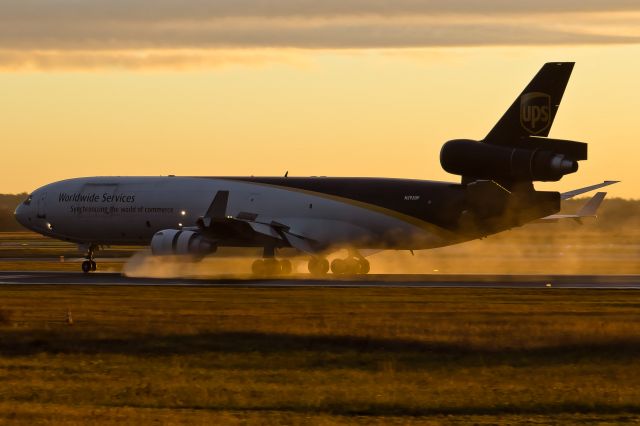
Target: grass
201	355
29	245
322	356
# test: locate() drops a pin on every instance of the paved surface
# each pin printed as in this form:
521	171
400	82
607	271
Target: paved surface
483	281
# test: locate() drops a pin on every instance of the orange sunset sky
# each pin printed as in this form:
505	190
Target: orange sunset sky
330	87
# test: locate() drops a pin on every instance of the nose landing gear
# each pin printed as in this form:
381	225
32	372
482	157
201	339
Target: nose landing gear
89	265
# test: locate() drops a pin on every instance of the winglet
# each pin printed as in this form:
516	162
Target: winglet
218	207
216	211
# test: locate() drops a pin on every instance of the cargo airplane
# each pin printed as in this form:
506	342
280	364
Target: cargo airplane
316	216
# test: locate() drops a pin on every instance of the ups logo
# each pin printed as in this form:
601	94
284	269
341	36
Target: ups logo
535	112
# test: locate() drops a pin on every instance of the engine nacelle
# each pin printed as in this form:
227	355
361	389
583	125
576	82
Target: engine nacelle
484	161
177	242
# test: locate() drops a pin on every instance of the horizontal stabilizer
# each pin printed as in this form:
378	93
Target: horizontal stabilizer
590	209
571	194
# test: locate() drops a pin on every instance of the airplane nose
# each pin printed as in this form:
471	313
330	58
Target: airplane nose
20	215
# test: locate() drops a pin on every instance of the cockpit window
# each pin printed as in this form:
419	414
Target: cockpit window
28	200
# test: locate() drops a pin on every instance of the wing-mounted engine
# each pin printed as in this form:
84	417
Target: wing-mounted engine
217	228
199	240
181	243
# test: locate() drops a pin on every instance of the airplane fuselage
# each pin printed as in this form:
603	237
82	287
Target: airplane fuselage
358	212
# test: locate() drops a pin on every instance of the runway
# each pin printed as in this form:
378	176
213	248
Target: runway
382	281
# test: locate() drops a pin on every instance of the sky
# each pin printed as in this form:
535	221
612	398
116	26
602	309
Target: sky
331	87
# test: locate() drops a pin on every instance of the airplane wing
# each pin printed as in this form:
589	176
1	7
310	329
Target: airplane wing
589	209
282	232
571	194
246	226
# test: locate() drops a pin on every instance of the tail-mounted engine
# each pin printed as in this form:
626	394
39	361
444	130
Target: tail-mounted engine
529	159
498	179
178	242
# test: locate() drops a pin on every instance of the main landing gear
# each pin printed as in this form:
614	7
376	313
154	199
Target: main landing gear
270	266
89	265
353	264
318	266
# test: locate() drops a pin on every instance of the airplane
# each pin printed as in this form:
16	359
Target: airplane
195	216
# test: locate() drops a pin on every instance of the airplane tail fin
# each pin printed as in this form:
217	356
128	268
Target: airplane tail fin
517	151
533	112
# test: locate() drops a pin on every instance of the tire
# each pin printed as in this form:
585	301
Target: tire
312	266
339	266
352	266
94	265
365	267
318	266
285	266
272	267
86	266
258	267
323	266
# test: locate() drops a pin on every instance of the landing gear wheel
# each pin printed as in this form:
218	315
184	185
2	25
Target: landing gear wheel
272	267
265	267
89	265
365	267
318	266
258	267
86	266
350	266
339	266
285	266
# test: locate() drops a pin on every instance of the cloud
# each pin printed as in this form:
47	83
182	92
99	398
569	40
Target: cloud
137	33
153	10
176	60
335	33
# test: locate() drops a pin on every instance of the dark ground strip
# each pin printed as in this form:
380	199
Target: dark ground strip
397	280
